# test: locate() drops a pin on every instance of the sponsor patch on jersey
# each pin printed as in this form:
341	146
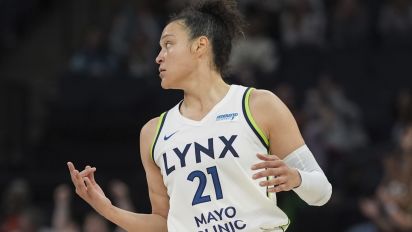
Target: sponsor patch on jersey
227	117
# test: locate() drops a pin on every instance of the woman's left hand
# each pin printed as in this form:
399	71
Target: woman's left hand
279	177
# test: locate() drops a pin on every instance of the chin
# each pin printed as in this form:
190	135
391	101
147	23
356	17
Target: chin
167	84
163	84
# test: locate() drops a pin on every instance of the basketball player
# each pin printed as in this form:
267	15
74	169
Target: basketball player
214	161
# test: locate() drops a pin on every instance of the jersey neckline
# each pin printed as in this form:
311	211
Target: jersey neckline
209	114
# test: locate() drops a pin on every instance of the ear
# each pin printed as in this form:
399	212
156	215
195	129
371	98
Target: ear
200	46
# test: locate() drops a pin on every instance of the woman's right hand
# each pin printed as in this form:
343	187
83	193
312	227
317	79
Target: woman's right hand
88	189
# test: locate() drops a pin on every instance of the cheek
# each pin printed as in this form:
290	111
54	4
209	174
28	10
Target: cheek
180	64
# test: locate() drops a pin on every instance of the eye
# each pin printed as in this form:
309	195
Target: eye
168	44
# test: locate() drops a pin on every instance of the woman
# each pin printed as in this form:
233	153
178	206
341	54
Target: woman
206	159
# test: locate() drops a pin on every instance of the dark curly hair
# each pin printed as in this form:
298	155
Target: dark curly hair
220	21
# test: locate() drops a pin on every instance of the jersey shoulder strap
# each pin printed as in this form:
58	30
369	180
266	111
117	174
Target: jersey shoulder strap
250	120
159	127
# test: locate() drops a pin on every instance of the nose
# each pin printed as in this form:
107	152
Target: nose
160	57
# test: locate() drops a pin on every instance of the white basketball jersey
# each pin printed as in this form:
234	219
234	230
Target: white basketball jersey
206	167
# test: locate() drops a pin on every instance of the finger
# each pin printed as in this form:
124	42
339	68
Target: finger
267	157
71	166
279	188
268	164
72	170
92	176
273	182
268	173
79	183
87	171
90	187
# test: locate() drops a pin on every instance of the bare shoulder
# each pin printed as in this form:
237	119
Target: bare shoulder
150	127
265	98
147	135
157	190
266	108
276	121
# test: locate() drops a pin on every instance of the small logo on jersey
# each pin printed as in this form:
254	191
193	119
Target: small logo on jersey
168	137
227	117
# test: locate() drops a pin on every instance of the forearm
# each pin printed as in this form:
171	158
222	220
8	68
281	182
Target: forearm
90	191
314	188
135	222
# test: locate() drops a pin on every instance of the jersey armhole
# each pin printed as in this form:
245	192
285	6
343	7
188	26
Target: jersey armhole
255	128
251	121
158	130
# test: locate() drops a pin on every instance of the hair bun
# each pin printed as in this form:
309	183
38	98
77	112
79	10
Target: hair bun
224	10
219	20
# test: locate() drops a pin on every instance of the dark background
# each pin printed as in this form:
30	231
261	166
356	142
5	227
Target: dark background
78	81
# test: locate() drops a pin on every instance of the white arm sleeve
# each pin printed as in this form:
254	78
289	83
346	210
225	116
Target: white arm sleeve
315	188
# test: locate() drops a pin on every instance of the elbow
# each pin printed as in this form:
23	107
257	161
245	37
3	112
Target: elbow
324	198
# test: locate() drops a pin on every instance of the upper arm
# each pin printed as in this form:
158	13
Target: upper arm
276	121
157	190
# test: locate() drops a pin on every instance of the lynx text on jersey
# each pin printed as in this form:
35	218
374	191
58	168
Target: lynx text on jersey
200	152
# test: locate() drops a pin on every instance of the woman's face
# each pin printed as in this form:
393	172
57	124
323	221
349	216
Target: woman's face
175	59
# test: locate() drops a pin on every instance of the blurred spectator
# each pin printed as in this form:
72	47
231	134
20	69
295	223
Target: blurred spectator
332	124
351	135
254	56
350	25
314	109
121	195
93	59
93	222
395	22
134	36
17	213
61	218
390	209
144	43
120	29
15	199
121	198
303	23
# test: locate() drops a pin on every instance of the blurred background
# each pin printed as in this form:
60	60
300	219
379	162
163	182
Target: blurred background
78	80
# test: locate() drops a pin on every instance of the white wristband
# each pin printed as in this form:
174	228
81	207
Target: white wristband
315	188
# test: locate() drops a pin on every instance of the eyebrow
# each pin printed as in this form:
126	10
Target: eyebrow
166	35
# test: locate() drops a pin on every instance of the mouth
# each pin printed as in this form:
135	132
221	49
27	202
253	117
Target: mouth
161	70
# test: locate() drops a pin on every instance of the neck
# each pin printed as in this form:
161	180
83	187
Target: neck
202	93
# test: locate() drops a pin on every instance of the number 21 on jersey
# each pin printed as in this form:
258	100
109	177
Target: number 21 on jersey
199	197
